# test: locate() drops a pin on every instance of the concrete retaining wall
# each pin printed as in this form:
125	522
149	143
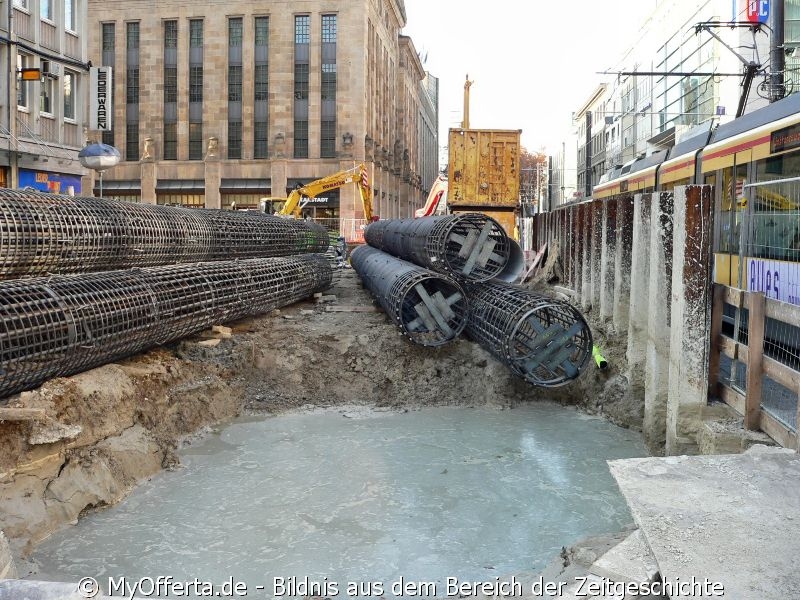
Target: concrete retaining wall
642	264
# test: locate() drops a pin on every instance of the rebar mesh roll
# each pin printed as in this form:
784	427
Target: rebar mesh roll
45	233
466	246
64	324
544	341
430	308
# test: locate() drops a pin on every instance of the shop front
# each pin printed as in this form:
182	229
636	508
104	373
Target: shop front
46	181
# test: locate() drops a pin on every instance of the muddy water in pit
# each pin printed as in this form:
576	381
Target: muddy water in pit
361	496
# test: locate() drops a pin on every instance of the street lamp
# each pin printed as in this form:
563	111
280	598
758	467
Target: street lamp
99	157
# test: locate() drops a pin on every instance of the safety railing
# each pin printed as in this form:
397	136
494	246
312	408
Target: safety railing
755	360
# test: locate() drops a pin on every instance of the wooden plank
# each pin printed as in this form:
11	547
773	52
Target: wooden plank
351	308
732	349
776	430
716	333
781	373
732	398
22	414
755	367
782	311
732	295
536	260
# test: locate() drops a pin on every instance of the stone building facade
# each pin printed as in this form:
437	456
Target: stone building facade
43	115
221	102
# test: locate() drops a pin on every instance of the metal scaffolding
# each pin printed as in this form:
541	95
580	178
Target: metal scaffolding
466	246
430	308
43	233
64	324
544	341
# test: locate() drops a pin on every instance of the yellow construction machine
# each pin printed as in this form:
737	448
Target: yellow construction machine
298	198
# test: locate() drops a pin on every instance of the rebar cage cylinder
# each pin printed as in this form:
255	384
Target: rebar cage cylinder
466	246
429	308
64	324
546	342
46	233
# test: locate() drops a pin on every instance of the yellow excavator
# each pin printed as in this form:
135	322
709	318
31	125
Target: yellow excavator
298	198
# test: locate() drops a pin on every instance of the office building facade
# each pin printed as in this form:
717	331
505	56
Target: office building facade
219	104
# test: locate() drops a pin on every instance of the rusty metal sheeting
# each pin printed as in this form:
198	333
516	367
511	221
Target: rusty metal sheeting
429	308
546	342
64	324
44	233
466	246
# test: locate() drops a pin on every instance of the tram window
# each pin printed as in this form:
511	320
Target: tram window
776	206
730	213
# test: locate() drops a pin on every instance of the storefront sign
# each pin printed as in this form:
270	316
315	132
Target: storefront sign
44	181
100	106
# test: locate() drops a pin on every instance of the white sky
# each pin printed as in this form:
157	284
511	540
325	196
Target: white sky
533	62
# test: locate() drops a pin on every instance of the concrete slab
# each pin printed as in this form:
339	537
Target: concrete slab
630	560
22	589
732	519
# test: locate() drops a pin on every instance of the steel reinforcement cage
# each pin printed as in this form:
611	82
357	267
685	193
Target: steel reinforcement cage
64	324
45	233
466	246
429	308
546	342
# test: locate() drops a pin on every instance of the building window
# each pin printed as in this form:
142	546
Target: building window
23	62
69	14
302	33
69	95
170	141
195	141
261	82
261	140
301	82
329	28
196	33
132	39
328	84
235	33
170	34
234	83
108	35
108	43
234	139
132	140
170	84
196	84
301	139
46	95
132	86
262	31
328	139
21	4
46	9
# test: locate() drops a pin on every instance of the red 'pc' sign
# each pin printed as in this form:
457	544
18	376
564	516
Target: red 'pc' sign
757	11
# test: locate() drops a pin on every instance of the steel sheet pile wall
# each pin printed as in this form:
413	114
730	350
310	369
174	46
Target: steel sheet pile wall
430	308
544	341
64	324
467	246
44	233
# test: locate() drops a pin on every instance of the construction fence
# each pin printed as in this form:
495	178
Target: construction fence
705	293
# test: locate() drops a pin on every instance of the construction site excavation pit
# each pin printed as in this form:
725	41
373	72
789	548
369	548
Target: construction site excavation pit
359	494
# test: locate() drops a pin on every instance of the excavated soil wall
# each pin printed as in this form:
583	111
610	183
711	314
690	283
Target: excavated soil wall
108	428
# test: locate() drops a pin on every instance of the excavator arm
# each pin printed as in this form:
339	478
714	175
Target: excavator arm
357	175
